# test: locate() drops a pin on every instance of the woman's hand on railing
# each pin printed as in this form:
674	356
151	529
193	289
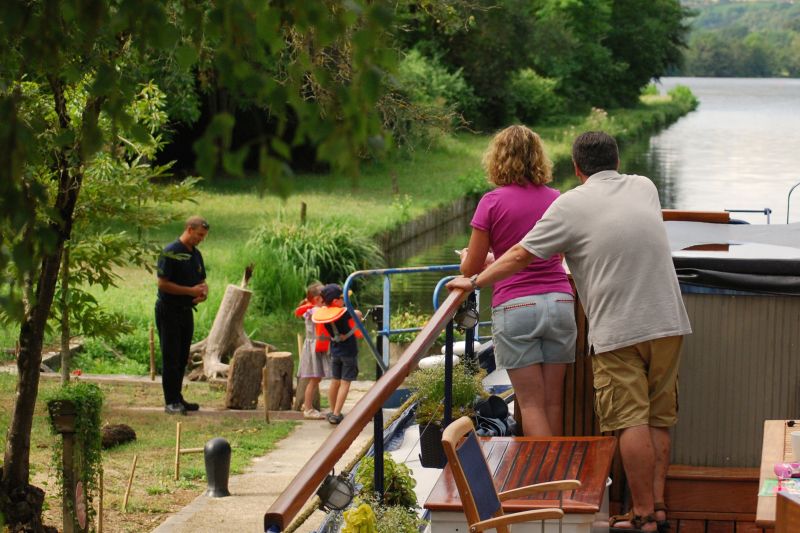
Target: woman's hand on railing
460	282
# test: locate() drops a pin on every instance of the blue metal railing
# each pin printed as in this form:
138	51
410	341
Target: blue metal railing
385	331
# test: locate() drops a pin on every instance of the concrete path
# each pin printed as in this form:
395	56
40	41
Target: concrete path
254	491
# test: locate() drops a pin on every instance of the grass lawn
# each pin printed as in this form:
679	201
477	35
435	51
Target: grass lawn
154	492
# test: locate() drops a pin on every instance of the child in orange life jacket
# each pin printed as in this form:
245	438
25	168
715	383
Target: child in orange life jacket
315	361
344	347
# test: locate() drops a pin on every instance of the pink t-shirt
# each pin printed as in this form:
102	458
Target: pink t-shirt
507	214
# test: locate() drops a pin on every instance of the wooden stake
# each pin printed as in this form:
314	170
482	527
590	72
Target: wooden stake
100	506
130	482
152	354
303	209
264	391
177	451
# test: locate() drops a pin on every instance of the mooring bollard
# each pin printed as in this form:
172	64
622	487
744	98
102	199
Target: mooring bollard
217	454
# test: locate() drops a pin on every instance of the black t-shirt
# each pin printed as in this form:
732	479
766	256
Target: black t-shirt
347	347
182	266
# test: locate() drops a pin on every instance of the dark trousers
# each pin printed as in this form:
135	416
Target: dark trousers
175	326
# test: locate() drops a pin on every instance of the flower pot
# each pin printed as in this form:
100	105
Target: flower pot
430	446
63	413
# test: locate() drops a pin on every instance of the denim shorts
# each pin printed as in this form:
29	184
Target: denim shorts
344	367
534	329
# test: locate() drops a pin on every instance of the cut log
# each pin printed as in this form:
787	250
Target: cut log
244	377
280	381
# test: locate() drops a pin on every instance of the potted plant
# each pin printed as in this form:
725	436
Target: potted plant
396	511
428	386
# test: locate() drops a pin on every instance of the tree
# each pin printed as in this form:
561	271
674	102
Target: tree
649	39
271	55
123	196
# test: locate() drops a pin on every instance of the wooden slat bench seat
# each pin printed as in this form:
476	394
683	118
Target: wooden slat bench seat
520	461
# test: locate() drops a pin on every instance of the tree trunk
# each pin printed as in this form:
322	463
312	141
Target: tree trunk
227	333
280	381
64	303
209	356
16	467
244	378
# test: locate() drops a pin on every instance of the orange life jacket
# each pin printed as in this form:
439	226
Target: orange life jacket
322	340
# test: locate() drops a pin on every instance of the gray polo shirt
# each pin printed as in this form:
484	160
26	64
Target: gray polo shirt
612	235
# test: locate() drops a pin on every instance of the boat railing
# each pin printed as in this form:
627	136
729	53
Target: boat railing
789	199
370	407
766	212
382	314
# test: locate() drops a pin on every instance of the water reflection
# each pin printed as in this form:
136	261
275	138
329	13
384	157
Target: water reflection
739	150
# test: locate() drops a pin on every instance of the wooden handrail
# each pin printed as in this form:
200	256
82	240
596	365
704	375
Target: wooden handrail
716	217
309	478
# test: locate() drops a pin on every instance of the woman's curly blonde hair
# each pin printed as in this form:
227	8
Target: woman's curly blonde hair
516	155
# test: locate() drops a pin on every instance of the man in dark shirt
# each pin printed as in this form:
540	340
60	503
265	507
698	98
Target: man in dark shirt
181	286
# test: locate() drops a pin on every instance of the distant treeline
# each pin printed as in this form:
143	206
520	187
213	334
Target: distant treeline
744	39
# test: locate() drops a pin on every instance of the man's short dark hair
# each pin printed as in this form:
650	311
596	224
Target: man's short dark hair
595	151
196	221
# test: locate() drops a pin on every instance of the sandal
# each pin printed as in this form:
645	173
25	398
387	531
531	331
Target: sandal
663	525
636	521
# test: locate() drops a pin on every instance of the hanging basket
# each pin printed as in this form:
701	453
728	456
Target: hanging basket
430	446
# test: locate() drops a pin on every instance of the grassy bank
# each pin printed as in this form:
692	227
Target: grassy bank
154	446
385	195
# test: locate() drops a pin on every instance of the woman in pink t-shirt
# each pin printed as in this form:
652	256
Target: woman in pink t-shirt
533	321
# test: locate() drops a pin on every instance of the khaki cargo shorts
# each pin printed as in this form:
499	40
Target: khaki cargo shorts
638	385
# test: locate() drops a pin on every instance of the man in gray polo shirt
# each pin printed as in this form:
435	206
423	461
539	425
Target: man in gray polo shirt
611	233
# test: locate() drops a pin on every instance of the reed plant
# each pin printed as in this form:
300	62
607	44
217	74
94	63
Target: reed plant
326	252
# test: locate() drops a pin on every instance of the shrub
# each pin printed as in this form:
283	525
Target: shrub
409	317
359	519
398	483
86	403
428	385
397	519
428	82
533	97
276	283
681	94
325	252
650	90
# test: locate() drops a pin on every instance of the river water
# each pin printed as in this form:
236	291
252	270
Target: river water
739	150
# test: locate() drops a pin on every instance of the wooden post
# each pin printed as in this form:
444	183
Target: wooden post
100	505
63	415
130	482
152	355
177	451
265	391
303	210
67	464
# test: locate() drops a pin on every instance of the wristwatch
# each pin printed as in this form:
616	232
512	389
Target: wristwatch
473	280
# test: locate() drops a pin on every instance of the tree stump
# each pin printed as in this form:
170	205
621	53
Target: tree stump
279	386
209	357
299	395
244	377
